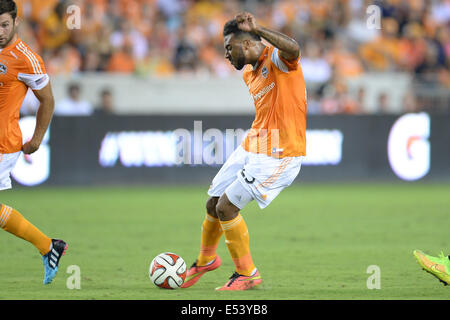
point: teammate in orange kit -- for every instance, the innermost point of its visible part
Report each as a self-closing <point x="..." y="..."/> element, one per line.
<point x="270" y="157"/>
<point x="20" y="69"/>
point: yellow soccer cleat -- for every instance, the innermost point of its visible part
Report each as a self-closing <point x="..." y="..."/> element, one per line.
<point x="437" y="266"/>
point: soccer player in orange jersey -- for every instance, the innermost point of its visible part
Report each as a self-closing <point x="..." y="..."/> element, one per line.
<point x="20" y="69"/>
<point x="270" y="157"/>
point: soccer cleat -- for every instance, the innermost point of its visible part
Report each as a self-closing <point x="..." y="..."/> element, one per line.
<point x="51" y="259"/>
<point x="195" y="272"/>
<point x="240" y="282"/>
<point x="437" y="266"/>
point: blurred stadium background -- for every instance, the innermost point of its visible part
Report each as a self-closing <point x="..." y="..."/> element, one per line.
<point x="349" y="67"/>
<point x="126" y="74"/>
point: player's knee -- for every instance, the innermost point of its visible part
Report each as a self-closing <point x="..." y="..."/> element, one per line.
<point x="225" y="209"/>
<point x="221" y="211"/>
<point x="211" y="206"/>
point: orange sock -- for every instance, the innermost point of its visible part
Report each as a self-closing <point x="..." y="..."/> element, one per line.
<point x="211" y="233"/>
<point x="13" y="222"/>
<point x="238" y="243"/>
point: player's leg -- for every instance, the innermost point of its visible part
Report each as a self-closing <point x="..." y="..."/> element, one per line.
<point x="13" y="222"/>
<point x="437" y="266"/>
<point x="51" y="249"/>
<point x="207" y="259"/>
<point x="211" y="234"/>
<point x="261" y="179"/>
<point x="237" y="237"/>
<point x="235" y="230"/>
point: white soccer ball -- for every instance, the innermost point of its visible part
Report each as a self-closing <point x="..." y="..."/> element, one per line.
<point x="167" y="270"/>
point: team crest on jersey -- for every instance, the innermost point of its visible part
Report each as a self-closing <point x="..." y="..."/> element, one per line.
<point x="3" y="68"/>
<point x="264" y="72"/>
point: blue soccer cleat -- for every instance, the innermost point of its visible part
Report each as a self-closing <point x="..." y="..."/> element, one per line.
<point x="51" y="259"/>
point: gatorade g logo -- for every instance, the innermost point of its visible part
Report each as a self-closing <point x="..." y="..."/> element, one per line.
<point x="408" y="146"/>
<point x="34" y="169"/>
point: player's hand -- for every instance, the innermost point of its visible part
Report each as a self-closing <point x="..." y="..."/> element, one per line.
<point x="30" y="147"/>
<point x="246" y="22"/>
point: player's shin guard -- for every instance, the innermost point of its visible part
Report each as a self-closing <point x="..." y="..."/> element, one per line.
<point x="238" y="242"/>
<point x="13" y="222"/>
<point x="211" y="233"/>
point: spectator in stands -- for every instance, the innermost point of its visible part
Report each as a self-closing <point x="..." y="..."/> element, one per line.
<point x="382" y="103"/>
<point x="54" y="32"/>
<point x="345" y="62"/>
<point x="103" y="46"/>
<point x="413" y="47"/>
<point x="315" y="68"/>
<point x="106" y="106"/>
<point x="73" y="105"/>
<point x="91" y="61"/>
<point x="382" y="54"/>
<point x="357" y="30"/>
<point x="65" y="60"/>
<point x="122" y="60"/>
<point x="427" y="71"/>
<point x="410" y="102"/>
<point x="361" y="100"/>
<point x="185" y="59"/>
<point x="337" y="99"/>
<point x="127" y="35"/>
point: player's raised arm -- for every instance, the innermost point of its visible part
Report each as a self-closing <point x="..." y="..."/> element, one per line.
<point x="289" y="48"/>
<point x="43" y="117"/>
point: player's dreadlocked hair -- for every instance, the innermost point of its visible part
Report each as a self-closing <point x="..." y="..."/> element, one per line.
<point x="8" y="6"/>
<point x="231" y="27"/>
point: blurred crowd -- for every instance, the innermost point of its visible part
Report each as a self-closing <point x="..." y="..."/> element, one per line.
<point x="340" y="39"/>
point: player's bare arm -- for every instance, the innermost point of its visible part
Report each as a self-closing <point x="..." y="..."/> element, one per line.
<point x="43" y="118"/>
<point x="289" y="48"/>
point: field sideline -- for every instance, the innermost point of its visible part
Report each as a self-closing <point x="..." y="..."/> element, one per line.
<point x="315" y="241"/>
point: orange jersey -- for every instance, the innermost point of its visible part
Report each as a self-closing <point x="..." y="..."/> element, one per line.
<point x="278" y="90"/>
<point x="20" y="69"/>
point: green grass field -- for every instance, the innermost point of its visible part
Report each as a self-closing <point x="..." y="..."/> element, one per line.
<point x="313" y="242"/>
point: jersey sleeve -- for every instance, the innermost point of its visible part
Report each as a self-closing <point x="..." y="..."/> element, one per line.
<point x="32" y="72"/>
<point x="34" y="81"/>
<point x="283" y="64"/>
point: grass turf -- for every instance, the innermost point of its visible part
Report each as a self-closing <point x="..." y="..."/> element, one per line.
<point x="313" y="242"/>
